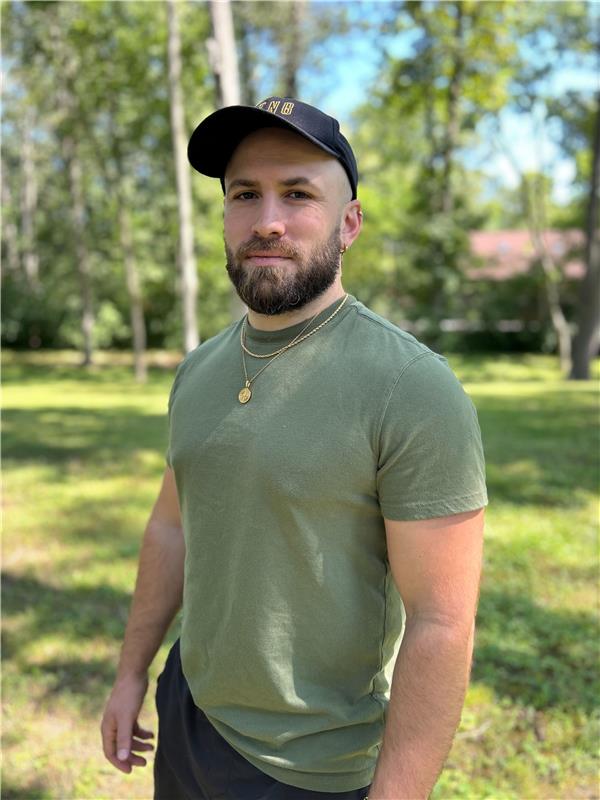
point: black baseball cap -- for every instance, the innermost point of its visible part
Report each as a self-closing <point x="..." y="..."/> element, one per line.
<point x="212" y="143"/>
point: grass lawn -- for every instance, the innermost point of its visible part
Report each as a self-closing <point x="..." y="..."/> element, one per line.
<point x="83" y="454"/>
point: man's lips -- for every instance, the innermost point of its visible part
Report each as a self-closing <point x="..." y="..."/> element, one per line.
<point x="266" y="257"/>
<point x="267" y="254"/>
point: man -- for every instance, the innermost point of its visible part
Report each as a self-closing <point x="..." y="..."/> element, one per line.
<point x="322" y="464"/>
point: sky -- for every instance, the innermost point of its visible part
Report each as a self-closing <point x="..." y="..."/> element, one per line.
<point x="353" y="69"/>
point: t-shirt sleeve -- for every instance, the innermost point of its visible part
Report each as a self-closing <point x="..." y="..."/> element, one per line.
<point x="431" y="461"/>
<point x="172" y="393"/>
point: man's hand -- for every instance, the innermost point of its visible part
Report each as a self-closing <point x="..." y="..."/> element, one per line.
<point x="156" y="600"/>
<point x="121" y="734"/>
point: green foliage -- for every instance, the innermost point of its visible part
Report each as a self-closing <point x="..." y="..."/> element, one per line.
<point x="458" y="69"/>
<point x="285" y="46"/>
<point x="464" y="63"/>
<point x="575" y="114"/>
<point x="110" y="58"/>
<point x="83" y="456"/>
<point x="96" y="71"/>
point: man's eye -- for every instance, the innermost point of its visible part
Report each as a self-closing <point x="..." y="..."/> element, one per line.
<point x="298" y="195"/>
<point x="245" y="196"/>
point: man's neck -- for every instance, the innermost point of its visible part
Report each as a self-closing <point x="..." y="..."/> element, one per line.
<point x="276" y="322"/>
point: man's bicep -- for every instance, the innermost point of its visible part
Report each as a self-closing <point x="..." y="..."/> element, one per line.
<point x="436" y="565"/>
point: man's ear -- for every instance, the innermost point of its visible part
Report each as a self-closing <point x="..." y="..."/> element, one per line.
<point x="351" y="223"/>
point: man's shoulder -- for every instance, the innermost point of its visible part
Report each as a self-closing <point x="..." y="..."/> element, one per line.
<point x="375" y="334"/>
<point x="221" y="339"/>
<point x="192" y="363"/>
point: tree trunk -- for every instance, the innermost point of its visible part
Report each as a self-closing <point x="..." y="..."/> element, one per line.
<point x="225" y="65"/>
<point x="118" y="185"/>
<point x="293" y="49"/>
<point x="559" y="321"/>
<point x="136" y="308"/>
<point x="536" y="221"/>
<point x="587" y="339"/>
<point x="29" y="205"/>
<point x="247" y="90"/>
<point x="452" y="115"/>
<point x="189" y="276"/>
<point x="11" y="237"/>
<point x="82" y="255"/>
<point x="68" y="130"/>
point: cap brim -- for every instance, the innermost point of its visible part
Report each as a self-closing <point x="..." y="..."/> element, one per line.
<point x="212" y="143"/>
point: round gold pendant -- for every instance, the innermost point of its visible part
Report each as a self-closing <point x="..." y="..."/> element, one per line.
<point x="244" y="395"/>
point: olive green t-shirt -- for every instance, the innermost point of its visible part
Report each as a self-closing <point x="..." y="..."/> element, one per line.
<point x="290" y="613"/>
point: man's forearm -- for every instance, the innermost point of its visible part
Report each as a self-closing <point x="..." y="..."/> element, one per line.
<point x="427" y="694"/>
<point x="157" y="597"/>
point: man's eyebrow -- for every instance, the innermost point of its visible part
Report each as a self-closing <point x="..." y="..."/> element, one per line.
<point x="250" y="184"/>
<point x="241" y="182"/>
<point x="296" y="181"/>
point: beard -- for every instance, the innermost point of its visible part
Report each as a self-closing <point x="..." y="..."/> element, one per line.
<point x="277" y="289"/>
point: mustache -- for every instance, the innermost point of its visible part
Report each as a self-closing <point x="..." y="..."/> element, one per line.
<point x="266" y="246"/>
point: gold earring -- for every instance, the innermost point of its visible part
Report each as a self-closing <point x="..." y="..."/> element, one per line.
<point x="343" y="249"/>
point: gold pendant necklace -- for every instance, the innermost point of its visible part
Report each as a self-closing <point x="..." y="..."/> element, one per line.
<point x="245" y="393"/>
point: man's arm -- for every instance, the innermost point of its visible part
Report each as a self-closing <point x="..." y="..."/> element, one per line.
<point x="436" y="565"/>
<point x="156" y="600"/>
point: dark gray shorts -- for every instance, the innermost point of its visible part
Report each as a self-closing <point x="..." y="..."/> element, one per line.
<point x="193" y="762"/>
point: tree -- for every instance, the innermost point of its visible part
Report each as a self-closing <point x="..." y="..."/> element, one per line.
<point x="565" y="34"/>
<point x="587" y="338"/>
<point x="224" y="53"/>
<point x="29" y="202"/>
<point x="456" y="72"/>
<point x="281" y="43"/>
<point x="78" y="213"/>
<point x="70" y="133"/>
<point x="120" y="119"/>
<point x="536" y="216"/>
<point x="225" y="67"/>
<point x="132" y="277"/>
<point x="187" y="262"/>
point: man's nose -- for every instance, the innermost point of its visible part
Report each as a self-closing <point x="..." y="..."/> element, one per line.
<point x="269" y="221"/>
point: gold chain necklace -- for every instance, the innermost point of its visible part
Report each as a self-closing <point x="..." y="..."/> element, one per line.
<point x="294" y="341"/>
<point x="299" y="338"/>
<point x="245" y="393"/>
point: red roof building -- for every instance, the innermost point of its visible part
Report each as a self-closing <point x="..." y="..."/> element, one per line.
<point x="506" y="254"/>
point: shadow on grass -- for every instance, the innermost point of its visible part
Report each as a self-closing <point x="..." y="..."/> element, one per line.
<point x="120" y="538"/>
<point x="23" y="373"/>
<point x="61" y="434"/>
<point x="536" y="656"/>
<point x="88" y="681"/>
<point x="494" y="367"/>
<point x="35" y="790"/>
<point x="74" y="613"/>
<point x="540" y="449"/>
